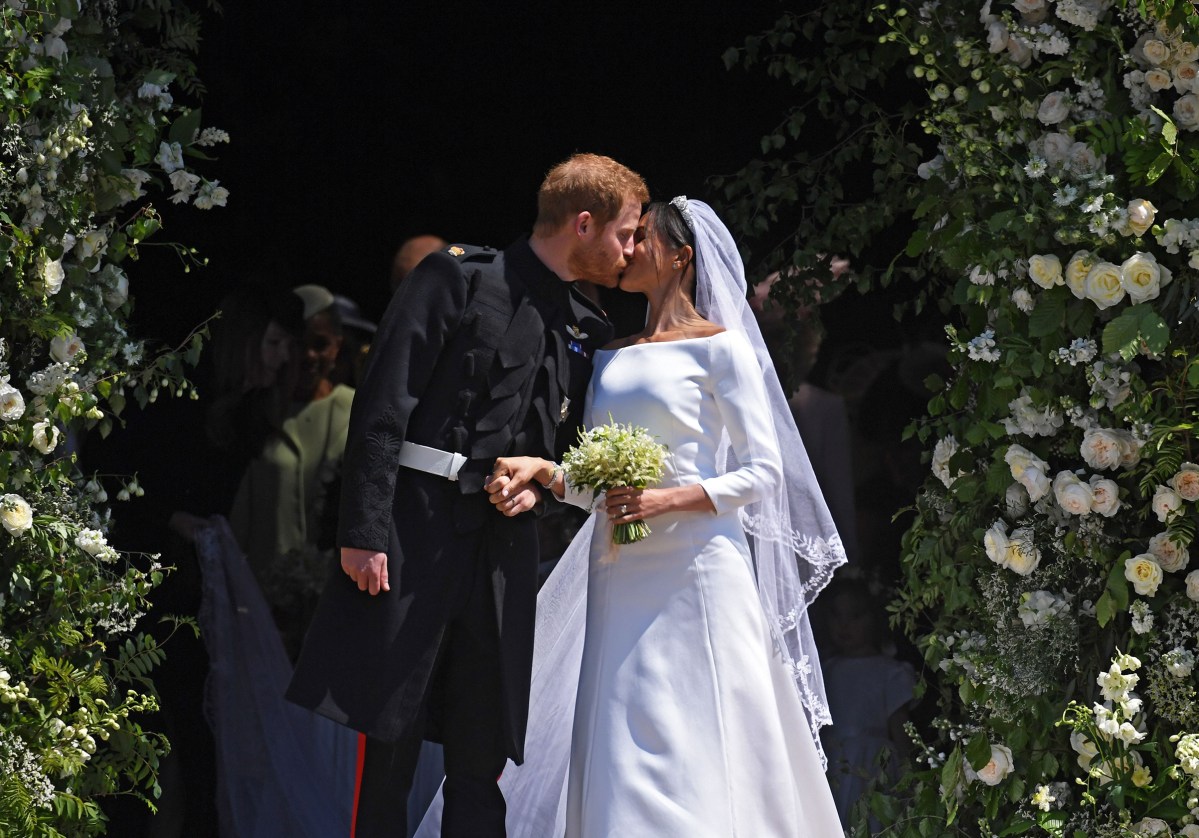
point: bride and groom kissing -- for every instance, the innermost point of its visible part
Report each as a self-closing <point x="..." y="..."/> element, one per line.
<point x="679" y="693"/>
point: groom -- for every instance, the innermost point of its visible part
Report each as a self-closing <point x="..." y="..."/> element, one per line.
<point x="428" y="631"/>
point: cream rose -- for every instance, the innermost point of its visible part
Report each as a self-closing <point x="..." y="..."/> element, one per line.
<point x="116" y="286"/>
<point x="1019" y="52"/>
<point x="1130" y="448"/>
<point x="1072" y="495"/>
<point x="1015" y="501"/>
<point x="1158" y="80"/>
<point x="1140" y="216"/>
<point x="1077" y="268"/>
<point x="1054" y="108"/>
<point x="1192" y="582"/>
<point x="50" y="276"/>
<point x="1155" y="51"/>
<point x="1101" y="448"/>
<point x="1166" y="503"/>
<point x="1186" y="482"/>
<point x="1142" y="277"/>
<point x="1144" y="573"/>
<point x="16" y="514"/>
<point x="1186" y="77"/>
<point x="995" y="542"/>
<point x="1029" y="471"/>
<point x="1186" y="111"/>
<point x="1105" y="496"/>
<point x="1103" y="285"/>
<point x="64" y="348"/>
<point x="1185" y="51"/>
<point x="1045" y="270"/>
<point x="1084" y="160"/>
<point x="997" y="37"/>
<point x="1151" y="826"/>
<point x="1055" y="146"/>
<point x="1169" y="553"/>
<point x="1023" y="555"/>
<point x="45" y="436"/>
<point x="997" y="768"/>
<point x="943" y="451"/>
<point x="12" y="403"/>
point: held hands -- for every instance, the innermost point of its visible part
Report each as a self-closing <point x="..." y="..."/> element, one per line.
<point x="513" y="483"/>
<point x="367" y="568"/>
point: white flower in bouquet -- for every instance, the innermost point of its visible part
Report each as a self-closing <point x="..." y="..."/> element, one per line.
<point x="1116" y="684"/>
<point x="1055" y="148"/>
<point x="1085" y="748"/>
<point x="1022" y="555"/>
<point x="1140" y="216"/>
<point x="981" y="276"/>
<point x="1054" y="108"/>
<point x="1083" y="160"/>
<point x="943" y="452"/>
<point x="610" y="456"/>
<point x="1045" y="270"/>
<point x="1031" y="420"/>
<point x="1130" y="448"/>
<point x="983" y="347"/>
<point x="91" y="541"/>
<point x="1187" y="753"/>
<point x="1033" y="11"/>
<point x="1144" y="573"/>
<point x="1019" y="51"/>
<point x="1186" y="482"/>
<point x="116" y="286"/>
<point x="1186" y="111"/>
<point x="169" y="157"/>
<point x="1042" y="799"/>
<point x="1105" y="496"/>
<point x="45" y="436"/>
<point x="1029" y="470"/>
<point x="12" y="403"/>
<point x="91" y="244"/>
<point x="50" y="276"/>
<point x="211" y="194"/>
<point x="1101" y="448"/>
<point x="64" y="348"/>
<point x="1151" y="826"/>
<point x="1179" y="662"/>
<point x="1192" y="583"/>
<point x="995" y="542"/>
<point x="1023" y="300"/>
<point x="1186" y="77"/>
<point x="1142" y="617"/>
<point x="1156" y="52"/>
<point x="1103" y="285"/>
<point x="1084" y="14"/>
<point x="997" y="768"/>
<point x="184" y="183"/>
<point x="16" y="514"/>
<point x="1158" y="80"/>
<point x="1039" y="607"/>
<point x="997" y="37"/>
<point x="1077" y="268"/>
<point x="1143" y="278"/>
<point x="212" y="136"/>
<point x="1166" y="503"/>
<point x="1189" y="831"/>
<point x="1072" y="495"/>
<point x="134" y="186"/>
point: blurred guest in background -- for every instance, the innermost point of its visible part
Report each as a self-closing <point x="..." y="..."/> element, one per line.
<point x="410" y="254"/>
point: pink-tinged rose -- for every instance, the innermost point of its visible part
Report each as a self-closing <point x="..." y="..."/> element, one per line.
<point x="1140" y="216"/>
<point x="1192" y="581"/>
<point x="1072" y="495"/>
<point x="1171" y="555"/>
<point x="997" y="768"/>
<point x="1105" y="496"/>
<point x="1101" y="449"/>
<point x="1166" y="503"/>
<point x="1186" y="482"/>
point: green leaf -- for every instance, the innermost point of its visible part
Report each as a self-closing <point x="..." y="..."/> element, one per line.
<point x="1158" y="167"/>
<point x="1018" y="827"/>
<point x="1136" y="326"/>
<point x="917" y="243"/>
<point x="184" y="129"/>
<point x="978" y="752"/>
<point x="1046" y="318"/>
<point x="1105" y="609"/>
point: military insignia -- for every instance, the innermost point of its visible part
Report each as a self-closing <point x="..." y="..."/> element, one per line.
<point x="565" y="408"/>
<point x="577" y="348"/>
<point x="455" y="250"/>
<point x="576" y="333"/>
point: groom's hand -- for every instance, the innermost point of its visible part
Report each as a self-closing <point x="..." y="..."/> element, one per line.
<point x="510" y="497"/>
<point x="367" y="568"/>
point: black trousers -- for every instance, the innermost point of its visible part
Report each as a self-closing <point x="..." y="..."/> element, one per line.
<point x="465" y="700"/>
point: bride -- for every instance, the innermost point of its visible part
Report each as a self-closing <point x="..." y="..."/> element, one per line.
<point x="698" y="694"/>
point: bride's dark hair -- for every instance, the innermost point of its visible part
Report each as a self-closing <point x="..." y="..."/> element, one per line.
<point x="665" y="223"/>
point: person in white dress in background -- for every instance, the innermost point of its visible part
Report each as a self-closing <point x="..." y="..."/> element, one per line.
<point x="698" y="688"/>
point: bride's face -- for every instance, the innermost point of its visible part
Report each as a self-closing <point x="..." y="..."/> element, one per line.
<point x="649" y="266"/>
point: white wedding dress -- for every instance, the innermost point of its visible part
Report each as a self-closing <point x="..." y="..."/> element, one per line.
<point x="687" y="721"/>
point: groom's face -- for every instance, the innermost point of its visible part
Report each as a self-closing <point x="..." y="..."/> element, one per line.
<point x="603" y="253"/>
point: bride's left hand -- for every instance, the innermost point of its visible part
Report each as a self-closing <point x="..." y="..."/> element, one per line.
<point x="624" y="504"/>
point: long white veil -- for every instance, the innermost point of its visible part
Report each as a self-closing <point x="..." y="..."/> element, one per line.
<point x="792" y="538"/>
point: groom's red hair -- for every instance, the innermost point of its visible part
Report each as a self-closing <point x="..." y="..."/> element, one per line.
<point x="586" y="182"/>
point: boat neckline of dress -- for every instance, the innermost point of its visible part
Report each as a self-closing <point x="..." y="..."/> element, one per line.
<point x="661" y="342"/>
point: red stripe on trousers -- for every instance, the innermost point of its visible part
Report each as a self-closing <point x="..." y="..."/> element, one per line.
<point x="358" y="782"/>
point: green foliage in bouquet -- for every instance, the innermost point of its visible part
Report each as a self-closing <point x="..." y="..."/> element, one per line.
<point x="89" y="130"/>
<point x="611" y="456"/>
<point x="1038" y="160"/>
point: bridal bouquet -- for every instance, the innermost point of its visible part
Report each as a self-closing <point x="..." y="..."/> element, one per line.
<point x="612" y="455"/>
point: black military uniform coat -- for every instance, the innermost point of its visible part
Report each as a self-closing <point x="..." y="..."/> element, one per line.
<point x="486" y="354"/>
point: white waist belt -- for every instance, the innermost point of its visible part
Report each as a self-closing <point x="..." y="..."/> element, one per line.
<point x="432" y="460"/>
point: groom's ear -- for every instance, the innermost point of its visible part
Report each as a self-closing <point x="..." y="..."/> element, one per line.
<point x="583" y="223"/>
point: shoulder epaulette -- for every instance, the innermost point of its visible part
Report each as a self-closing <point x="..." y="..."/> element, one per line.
<point x="472" y="253"/>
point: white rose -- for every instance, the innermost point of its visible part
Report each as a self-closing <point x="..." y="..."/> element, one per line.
<point x="1130" y="448"/>
<point x="1158" y="80"/>
<point x="16" y="514"/>
<point x="45" y="436"/>
<point x="1023" y="300"/>
<point x="91" y="244"/>
<point x="1169" y="554"/>
<point x="1142" y="277"/>
<point x="995" y="542"/>
<point x="1166" y="503"/>
<point x="1072" y="495"/>
<point x="1077" y="268"/>
<point x="1054" y="108"/>
<point x="1085" y="748"/>
<point x="943" y="451"/>
<point x="1186" y="77"/>
<point x="1103" y="285"/>
<point x="1140" y="216"/>
<point x="1084" y="160"/>
<point x="1015" y="501"/>
<point x="1151" y="826"/>
<point x="1186" y="482"/>
<point x="1185" y="51"/>
<point x="1055" y="147"/>
<point x="997" y="36"/>
<point x="1045" y="270"/>
<point x="1100" y="448"/>
<point x="12" y="403"/>
<point x="1023" y="555"/>
<point x="116" y="286"/>
<point x="50" y="276"/>
<point x="1019" y="52"/>
<point x="1105" y="496"/>
<point x="1186" y="111"/>
<point x="1144" y="573"/>
<point x="1155" y="51"/>
<point x="1192" y="582"/>
<point x="999" y="766"/>
<point x="64" y="348"/>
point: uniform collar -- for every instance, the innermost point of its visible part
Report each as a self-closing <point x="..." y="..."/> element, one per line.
<point x="539" y="279"/>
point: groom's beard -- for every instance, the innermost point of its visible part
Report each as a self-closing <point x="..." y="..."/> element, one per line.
<point x="591" y="263"/>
